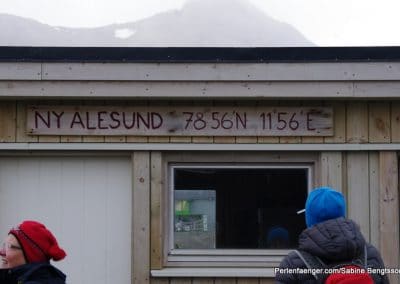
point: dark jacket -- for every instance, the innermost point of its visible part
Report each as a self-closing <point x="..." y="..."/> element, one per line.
<point x="333" y="241"/>
<point x="32" y="273"/>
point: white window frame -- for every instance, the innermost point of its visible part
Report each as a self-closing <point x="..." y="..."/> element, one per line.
<point x="226" y="257"/>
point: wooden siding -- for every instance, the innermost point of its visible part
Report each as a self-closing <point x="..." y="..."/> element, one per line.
<point x="331" y="170"/>
<point x="354" y="122"/>
<point x="8" y="121"/>
<point x="339" y="71"/>
<point x="141" y="223"/>
<point x="305" y="71"/>
<point x="358" y="190"/>
<point x="366" y="178"/>
<point x="389" y="210"/>
<point x="156" y="211"/>
<point x="369" y="182"/>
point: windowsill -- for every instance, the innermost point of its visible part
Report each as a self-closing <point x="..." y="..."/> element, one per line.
<point x="213" y="272"/>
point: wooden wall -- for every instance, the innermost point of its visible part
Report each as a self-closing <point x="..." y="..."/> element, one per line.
<point x="369" y="179"/>
<point x="355" y="122"/>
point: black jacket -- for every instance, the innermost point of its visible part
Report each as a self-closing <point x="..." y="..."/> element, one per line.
<point x="333" y="241"/>
<point x="32" y="273"/>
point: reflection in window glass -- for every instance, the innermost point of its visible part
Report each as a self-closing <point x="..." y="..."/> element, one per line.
<point x="194" y="219"/>
<point x="238" y="208"/>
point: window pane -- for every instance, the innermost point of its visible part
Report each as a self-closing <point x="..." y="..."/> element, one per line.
<point x="238" y="208"/>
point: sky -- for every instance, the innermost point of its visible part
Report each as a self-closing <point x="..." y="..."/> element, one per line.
<point x="324" y="22"/>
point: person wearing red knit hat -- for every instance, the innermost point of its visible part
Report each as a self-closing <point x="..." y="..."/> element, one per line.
<point x="26" y="254"/>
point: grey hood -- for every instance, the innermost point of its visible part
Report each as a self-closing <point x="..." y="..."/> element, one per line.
<point x="333" y="240"/>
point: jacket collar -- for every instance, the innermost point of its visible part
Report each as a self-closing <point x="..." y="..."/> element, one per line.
<point x="24" y="272"/>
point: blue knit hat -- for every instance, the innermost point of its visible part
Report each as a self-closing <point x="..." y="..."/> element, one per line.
<point x="277" y="232"/>
<point x="322" y="204"/>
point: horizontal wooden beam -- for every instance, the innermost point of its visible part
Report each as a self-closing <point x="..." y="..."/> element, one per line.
<point x="213" y="272"/>
<point x="193" y="147"/>
<point x="299" y="71"/>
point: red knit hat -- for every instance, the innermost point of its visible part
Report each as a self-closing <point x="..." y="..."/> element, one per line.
<point x="38" y="243"/>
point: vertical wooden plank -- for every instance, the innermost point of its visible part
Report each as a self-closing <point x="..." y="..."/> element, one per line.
<point x="225" y="281"/>
<point x="331" y="170"/>
<point x="21" y="135"/>
<point x="247" y="281"/>
<point x="312" y="139"/>
<point x="180" y="139"/>
<point x="358" y="190"/>
<point x="49" y="139"/>
<point x="137" y="139"/>
<point x="183" y="280"/>
<point x="159" y="139"/>
<point x="159" y="280"/>
<point x="374" y="198"/>
<point x="246" y="140"/>
<point x="289" y="139"/>
<point x="339" y="123"/>
<point x="267" y="281"/>
<point x="345" y="174"/>
<point x="8" y="121"/>
<point x="265" y="140"/>
<point x="379" y="122"/>
<point x="224" y="139"/>
<point x="156" y="213"/>
<point x="203" y="281"/>
<point x="389" y="210"/>
<point x="141" y="220"/>
<point x="395" y="122"/>
<point x="71" y="139"/>
<point x="93" y="139"/>
<point x="115" y="139"/>
<point x="205" y="139"/>
<point x="357" y="122"/>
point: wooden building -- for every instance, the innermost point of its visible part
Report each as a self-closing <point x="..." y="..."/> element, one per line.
<point x="171" y="165"/>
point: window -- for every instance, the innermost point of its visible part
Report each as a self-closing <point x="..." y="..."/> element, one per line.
<point x="235" y="210"/>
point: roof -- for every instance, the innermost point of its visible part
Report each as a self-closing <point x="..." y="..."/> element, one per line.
<point x="199" y="54"/>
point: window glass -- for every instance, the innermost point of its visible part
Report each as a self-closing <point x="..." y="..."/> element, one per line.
<point x="238" y="207"/>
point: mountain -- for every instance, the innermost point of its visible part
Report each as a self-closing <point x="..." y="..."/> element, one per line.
<point x="198" y="23"/>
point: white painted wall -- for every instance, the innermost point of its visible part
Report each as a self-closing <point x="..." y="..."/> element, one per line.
<point x="85" y="201"/>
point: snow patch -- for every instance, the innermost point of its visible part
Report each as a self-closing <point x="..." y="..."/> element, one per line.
<point x="124" y="33"/>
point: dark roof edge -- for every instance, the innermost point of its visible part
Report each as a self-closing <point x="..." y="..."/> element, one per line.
<point x="199" y="54"/>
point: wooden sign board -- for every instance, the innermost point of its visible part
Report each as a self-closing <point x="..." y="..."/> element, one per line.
<point x="180" y="121"/>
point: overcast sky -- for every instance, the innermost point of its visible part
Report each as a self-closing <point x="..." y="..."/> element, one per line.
<point x="325" y="22"/>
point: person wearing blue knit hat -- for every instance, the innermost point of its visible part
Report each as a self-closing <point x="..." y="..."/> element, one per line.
<point x="330" y="238"/>
<point x="323" y="204"/>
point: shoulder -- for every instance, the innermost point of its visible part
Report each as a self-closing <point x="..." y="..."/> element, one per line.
<point x="286" y="272"/>
<point x="7" y="277"/>
<point x="374" y="260"/>
<point x="292" y="260"/>
<point x="374" y="257"/>
<point x="37" y="272"/>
